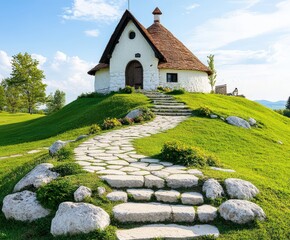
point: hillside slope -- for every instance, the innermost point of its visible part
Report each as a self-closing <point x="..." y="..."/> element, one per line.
<point x="20" y="136"/>
<point x="254" y="153"/>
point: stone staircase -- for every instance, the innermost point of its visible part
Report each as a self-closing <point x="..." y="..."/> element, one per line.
<point x="167" y="105"/>
<point x="168" y="195"/>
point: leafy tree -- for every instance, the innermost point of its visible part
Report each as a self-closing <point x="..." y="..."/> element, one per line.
<point x="28" y="79"/>
<point x="56" y="102"/>
<point x="288" y="104"/>
<point x="2" y="98"/>
<point x="212" y="77"/>
<point x="13" y="97"/>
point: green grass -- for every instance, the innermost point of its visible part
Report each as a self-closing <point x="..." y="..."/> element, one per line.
<point x="254" y="154"/>
<point x="25" y="134"/>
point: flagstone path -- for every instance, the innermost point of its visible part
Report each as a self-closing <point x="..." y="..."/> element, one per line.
<point x="136" y="178"/>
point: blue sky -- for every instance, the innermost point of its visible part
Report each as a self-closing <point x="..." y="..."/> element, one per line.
<point x="250" y="38"/>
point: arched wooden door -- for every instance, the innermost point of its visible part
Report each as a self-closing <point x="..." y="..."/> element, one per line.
<point x="134" y="74"/>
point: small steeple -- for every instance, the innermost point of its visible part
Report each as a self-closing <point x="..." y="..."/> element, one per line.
<point x="157" y="14"/>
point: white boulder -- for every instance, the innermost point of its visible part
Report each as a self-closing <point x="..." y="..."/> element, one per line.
<point x="252" y="122"/>
<point x="240" y="189"/>
<point x="23" y="206"/>
<point x="241" y="211"/>
<point x="134" y="113"/>
<point x="101" y="191"/>
<point x="206" y="213"/>
<point x="75" y="218"/>
<point x="81" y="193"/>
<point x="37" y="177"/>
<point x="170" y="196"/>
<point x="212" y="189"/>
<point x="239" y="122"/>
<point x="56" y="146"/>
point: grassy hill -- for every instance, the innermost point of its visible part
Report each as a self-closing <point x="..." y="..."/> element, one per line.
<point x="254" y="153"/>
<point x="24" y="133"/>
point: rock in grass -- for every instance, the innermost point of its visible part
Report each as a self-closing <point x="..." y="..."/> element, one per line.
<point x="81" y="193"/>
<point x="76" y="218"/>
<point x="239" y="122"/>
<point x="252" y="122"/>
<point x="212" y="189"/>
<point x="23" y="206"/>
<point x="241" y="211"/>
<point x="241" y="189"/>
<point x="134" y="113"/>
<point x="56" y="146"/>
<point x="37" y="177"/>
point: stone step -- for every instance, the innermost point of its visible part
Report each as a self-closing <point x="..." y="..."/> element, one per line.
<point x="152" y="213"/>
<point x="162" y="98"/>
<point x="167" y="231"/>
<point x="158" y="106"/>
<point x="170" y="110"/>
<point x="172" y="114"/>
<point x="168" y="103"/>
<point x="149" y="181"/>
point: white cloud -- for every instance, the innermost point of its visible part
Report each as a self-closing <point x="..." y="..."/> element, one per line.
<point x="92" y="33"/>
<point x="94" y="10"/>
<point x="41" y="59"/>
<point x="246" y="3"/>
<point x="5" y="65"/>
<point x="192" y="6"/>
<point x="239" y="25"/>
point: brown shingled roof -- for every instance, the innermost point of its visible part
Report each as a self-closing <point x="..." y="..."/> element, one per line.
<point x="176" y="54"/>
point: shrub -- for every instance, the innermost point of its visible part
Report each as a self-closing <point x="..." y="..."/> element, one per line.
<point x="147" y="114"/>
<point x="127" y="90"/>
<point x="138" y="119"/>
<point x="126" y="121"/>
<point x="95" y="128"/>
<point x="64" y="154"/>
<point x="177" y="91"/>
<point x="164" y="89"/>
<point x="179" y="153"/>
<point x="286" y="113"/>
<point x="68" y="169"/>
<point x="111" y="123"/>
<point x="56" y="192"/>
<point x="203" y="112"/>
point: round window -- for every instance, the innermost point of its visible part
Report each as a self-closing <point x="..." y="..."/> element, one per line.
<point x="132" y="35"/>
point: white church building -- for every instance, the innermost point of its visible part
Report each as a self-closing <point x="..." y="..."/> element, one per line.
<point x="148" y="58"/>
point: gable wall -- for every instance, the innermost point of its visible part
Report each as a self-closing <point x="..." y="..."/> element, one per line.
<point x="102" y="81"/>
<point x="191" y="81"/>
<point x="125" y="51"/>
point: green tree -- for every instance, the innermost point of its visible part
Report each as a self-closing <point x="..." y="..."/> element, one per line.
<point x="55" y="102"/>
<point x="2" y="98"/>
<point x="28" y="79"/>
<point x="288" y="104"/>
<point x="13" y="97"/>
<point x="212" y="77"/>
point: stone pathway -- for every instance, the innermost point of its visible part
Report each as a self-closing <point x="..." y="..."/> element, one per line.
<point x="21" y="155"/>
<point x="151" y="184"/>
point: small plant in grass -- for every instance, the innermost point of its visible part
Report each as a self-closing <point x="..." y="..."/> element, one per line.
<point x="68" y="169"/>
<point x="56" y="192"/>
<point x="127" y="90"/>
<point x="203" y="112"/>
<point x="138" y="119"/>
<point x="64" y="154"/>
<point x="179" y="153"/>
<point x="147" y="114"/>
<point x="177" y="91"/>
<point x="111" y="123"/>
<point x="94" y="129"/>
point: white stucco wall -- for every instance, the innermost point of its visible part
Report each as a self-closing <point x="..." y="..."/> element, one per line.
<point x="124" y="53"/>
<point x="191" y="81"/>
<point x="102" y="81"/>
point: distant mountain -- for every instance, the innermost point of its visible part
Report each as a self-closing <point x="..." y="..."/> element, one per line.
<point x="272" y="105"/>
